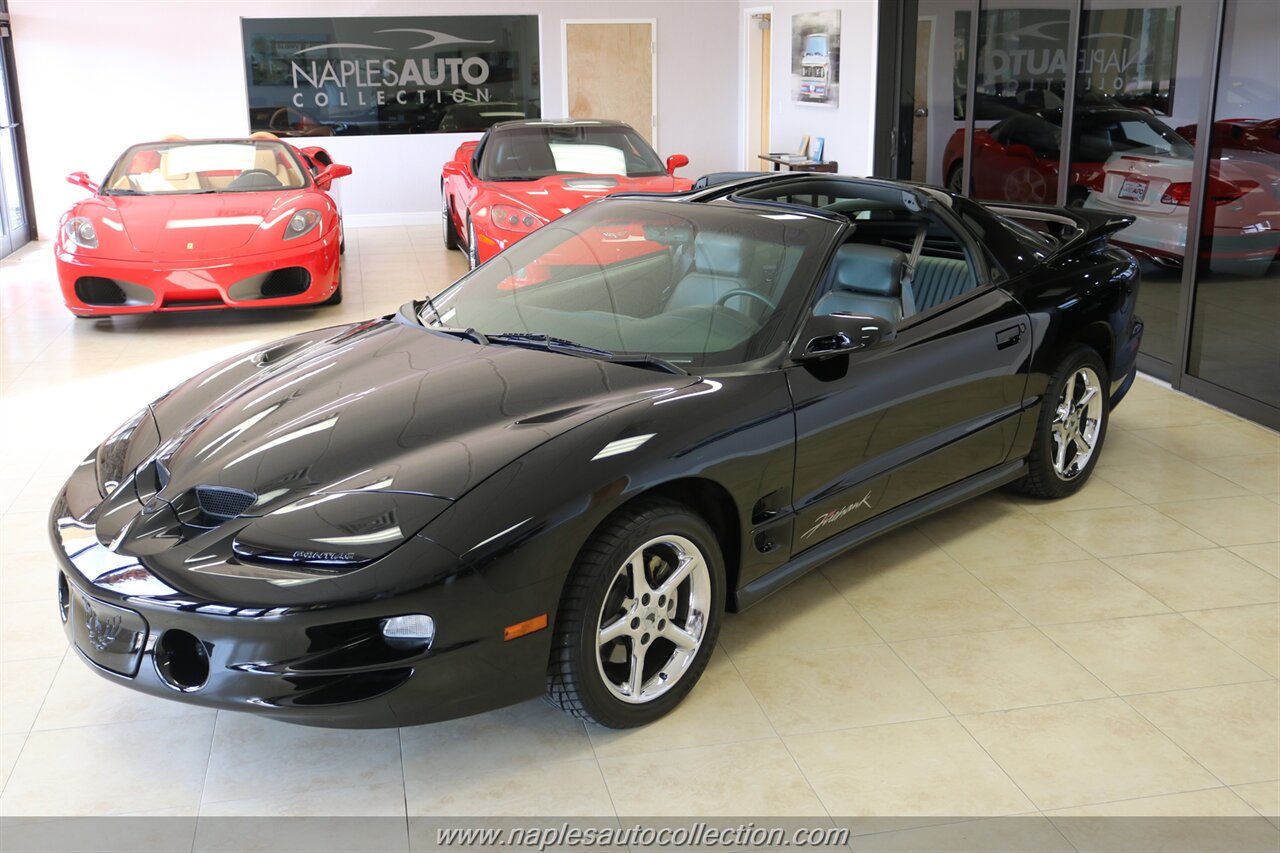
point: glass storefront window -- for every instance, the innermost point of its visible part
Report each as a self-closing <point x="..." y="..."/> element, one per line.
<point x="1140" y="82"/>
<point x="1235" y="330"/>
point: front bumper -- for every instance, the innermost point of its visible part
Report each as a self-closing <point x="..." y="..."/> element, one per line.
<point x="314" y="664"/>
<point x="295" y="275"/>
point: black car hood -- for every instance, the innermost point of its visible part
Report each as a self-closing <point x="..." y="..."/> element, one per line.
<point x="395" y="407"/>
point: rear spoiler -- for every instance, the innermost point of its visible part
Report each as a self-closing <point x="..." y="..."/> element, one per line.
<point x="1080" y="231"/>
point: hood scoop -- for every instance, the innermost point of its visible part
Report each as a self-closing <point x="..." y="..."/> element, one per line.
<point x="217" y="504"/>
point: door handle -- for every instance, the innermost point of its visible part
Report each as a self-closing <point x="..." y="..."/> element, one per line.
<point x="1006" y="338"/>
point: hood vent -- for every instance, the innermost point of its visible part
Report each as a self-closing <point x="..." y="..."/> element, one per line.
<point x="221" y="503"/>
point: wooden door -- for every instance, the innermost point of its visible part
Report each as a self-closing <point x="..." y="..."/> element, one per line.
<point x="920" y="104"/>
<point x="609" y="73"/>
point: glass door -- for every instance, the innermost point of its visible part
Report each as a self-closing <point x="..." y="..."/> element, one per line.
<point x="15" y="229"/>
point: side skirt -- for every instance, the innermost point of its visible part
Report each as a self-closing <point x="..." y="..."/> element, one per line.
<point x="766" y="585"/>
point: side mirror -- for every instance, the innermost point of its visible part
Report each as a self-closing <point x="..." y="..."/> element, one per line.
<point x="828" y="335"/>
<point x="82" y="180"/>
<point x="675" y="161"/>
<point x="327" y="175"/>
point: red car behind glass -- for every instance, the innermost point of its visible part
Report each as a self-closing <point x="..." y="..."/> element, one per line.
<point x="183" y="225"/>
<point x="523" y="174"/>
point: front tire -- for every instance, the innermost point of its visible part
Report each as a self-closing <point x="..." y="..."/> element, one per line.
<point x="1071" y="429"/>
<point x="335" y="298"/>
<point x="639" y="616"/>
<point x="449" y="231"/>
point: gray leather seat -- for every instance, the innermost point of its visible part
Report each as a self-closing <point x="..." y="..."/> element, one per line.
<point x="718" y="264"/>
<point x="939" y="280"/>
<point x="868" y="281"/>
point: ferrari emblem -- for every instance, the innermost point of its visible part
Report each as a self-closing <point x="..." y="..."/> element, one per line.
<point x="191" y="245"/>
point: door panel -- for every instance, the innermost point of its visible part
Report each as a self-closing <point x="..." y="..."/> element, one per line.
<point x="609" y="69"/>
<point x="937" y="404"/>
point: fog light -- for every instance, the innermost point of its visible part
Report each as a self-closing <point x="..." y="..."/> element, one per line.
<point x="415" y="626"/>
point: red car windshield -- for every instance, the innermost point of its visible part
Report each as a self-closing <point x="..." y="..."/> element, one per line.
<point x="169" y="168"/>
<point x="529" y="153"/>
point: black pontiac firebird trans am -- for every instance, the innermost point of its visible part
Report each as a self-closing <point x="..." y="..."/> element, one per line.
<point x="556" y="476"/>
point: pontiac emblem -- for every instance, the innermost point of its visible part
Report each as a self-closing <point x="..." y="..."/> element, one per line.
<point x="102" y="632"/>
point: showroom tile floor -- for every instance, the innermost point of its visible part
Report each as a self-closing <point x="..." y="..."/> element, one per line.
<point x="1114" y="653"/>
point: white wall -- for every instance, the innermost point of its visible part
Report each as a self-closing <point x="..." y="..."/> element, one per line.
<point x="97" y="76"/>
<point x="850" y="128"/>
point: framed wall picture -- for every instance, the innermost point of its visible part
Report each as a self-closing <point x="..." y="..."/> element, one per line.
<point x="815" y="58"/>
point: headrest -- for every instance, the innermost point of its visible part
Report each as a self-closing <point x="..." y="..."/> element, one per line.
<point x="719" y="254"/>
<point x="869" y="269"/>
<point x="265" y="159"/>
<point x="166" y="169"/>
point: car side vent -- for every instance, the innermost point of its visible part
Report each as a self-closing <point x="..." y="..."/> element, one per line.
<point x="222" y="502"/>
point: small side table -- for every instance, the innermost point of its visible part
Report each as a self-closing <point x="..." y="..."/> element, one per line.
<point x="779" y="161"/>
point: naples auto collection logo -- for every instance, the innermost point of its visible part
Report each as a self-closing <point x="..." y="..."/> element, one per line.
<point x="400" y="80"/>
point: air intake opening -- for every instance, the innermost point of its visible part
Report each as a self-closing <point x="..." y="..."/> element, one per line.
<point x="223" y="503"/>
<point x="182" y="661"/>
<point x="95" y="290"/>
<point x="290" y="281"/>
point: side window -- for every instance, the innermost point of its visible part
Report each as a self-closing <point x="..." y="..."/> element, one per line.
<point x="943" y="272"/>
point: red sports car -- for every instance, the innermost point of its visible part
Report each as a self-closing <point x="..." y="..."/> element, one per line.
<point x="523" y="174"/>
<point x="183" y="225"/>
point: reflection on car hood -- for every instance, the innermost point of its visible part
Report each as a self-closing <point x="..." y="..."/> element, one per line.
<point x="554" y="196"/>
<point x="391" y="406"/>
<point x="194" y="226"/>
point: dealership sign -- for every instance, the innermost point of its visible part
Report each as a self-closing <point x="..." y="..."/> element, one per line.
<point x="336" y="76"/>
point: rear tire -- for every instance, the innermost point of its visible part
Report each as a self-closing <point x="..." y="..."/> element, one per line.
<point x="448" y="230"/>
<point x="1071" y="429"/>
<point x="628" y="651"/>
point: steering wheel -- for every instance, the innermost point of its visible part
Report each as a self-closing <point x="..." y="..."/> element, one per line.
<point x="279" y="120"/>
<point x="743" y="292"/>
<point x="255" y="177"/>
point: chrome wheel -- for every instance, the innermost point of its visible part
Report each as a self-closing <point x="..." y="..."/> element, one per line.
<point x="1077" y="423"/>
<point x="653" y="619"/>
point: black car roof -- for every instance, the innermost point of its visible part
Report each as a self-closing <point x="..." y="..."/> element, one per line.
<point x="558" y="122"/>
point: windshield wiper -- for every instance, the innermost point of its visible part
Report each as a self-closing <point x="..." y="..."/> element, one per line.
<point x="124" y="192"/>
<point x="521" y="178"/>
<point x="468" y="333"/>
<point x="561" y="345"/>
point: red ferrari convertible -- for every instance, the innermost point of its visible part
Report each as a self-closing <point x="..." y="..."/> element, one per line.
<point x="183" y="225"/>
<point x="523" y="174"/>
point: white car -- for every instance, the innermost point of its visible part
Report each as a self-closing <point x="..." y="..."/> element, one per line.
<point x="1242" y="216"/>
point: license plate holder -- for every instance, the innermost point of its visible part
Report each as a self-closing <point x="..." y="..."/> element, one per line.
<point x="110" y="637"/>
<point x="1133" y="189"/>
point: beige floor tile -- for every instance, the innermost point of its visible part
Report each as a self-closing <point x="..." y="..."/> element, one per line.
<point x="1096" y="494"/>
<point x="1231" y="730"/>
<point x="905" y="603"/>
<point x="1068" y="592"/>
<point x="754" y="778"/>
<point x="81" y="697"/>
<point x="809" y="614"/>
<point x="1208" y="441"/>
<point x="256" y="757"/>
<point x="1265" y="556"/>
<point x="1264" y="797"/>
<point x="836" y="689"/>
<point x="1211" y="820"/>
<point x="569" y="788"/>
<point x="1164" y="408"/>
<point x="1169" y="479"/>
<point x="30" y="629"/>
<point x="530" y="733"/>
<point x="1123" y="448"/>
<point x="23" y="687"/>
<point x="1004" y="669"/>
<point x="719" y="710"/>
<point x="1134" y="530"/>
<point x="158" y="767"/>
<point x="1198" y="580"/>
<point x="931" y="767"/>
<point x="1144" y="654"/>
<point x="1259" y="473"/>
<point x="1085" y="752"/>
<point x="1229" y="521"/>
<point x="10" y="747"/>
<point x="1252" y="631"/>
<point x="989" y="835"/>
<point x="992" y="531"/>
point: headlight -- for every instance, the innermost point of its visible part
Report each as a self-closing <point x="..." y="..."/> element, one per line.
<point x="79" y="231"/>
<point x="335" y="533"/>
<point x="302" y="222"/>
<point x="110" y="459"/>
<point x="511" y="218"/>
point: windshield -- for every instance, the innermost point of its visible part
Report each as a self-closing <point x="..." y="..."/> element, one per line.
<point x="695" y="285"/>
<point x="528" y="153"/>
<point x="815" y="46"/>
<point x="167" y="168"/>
